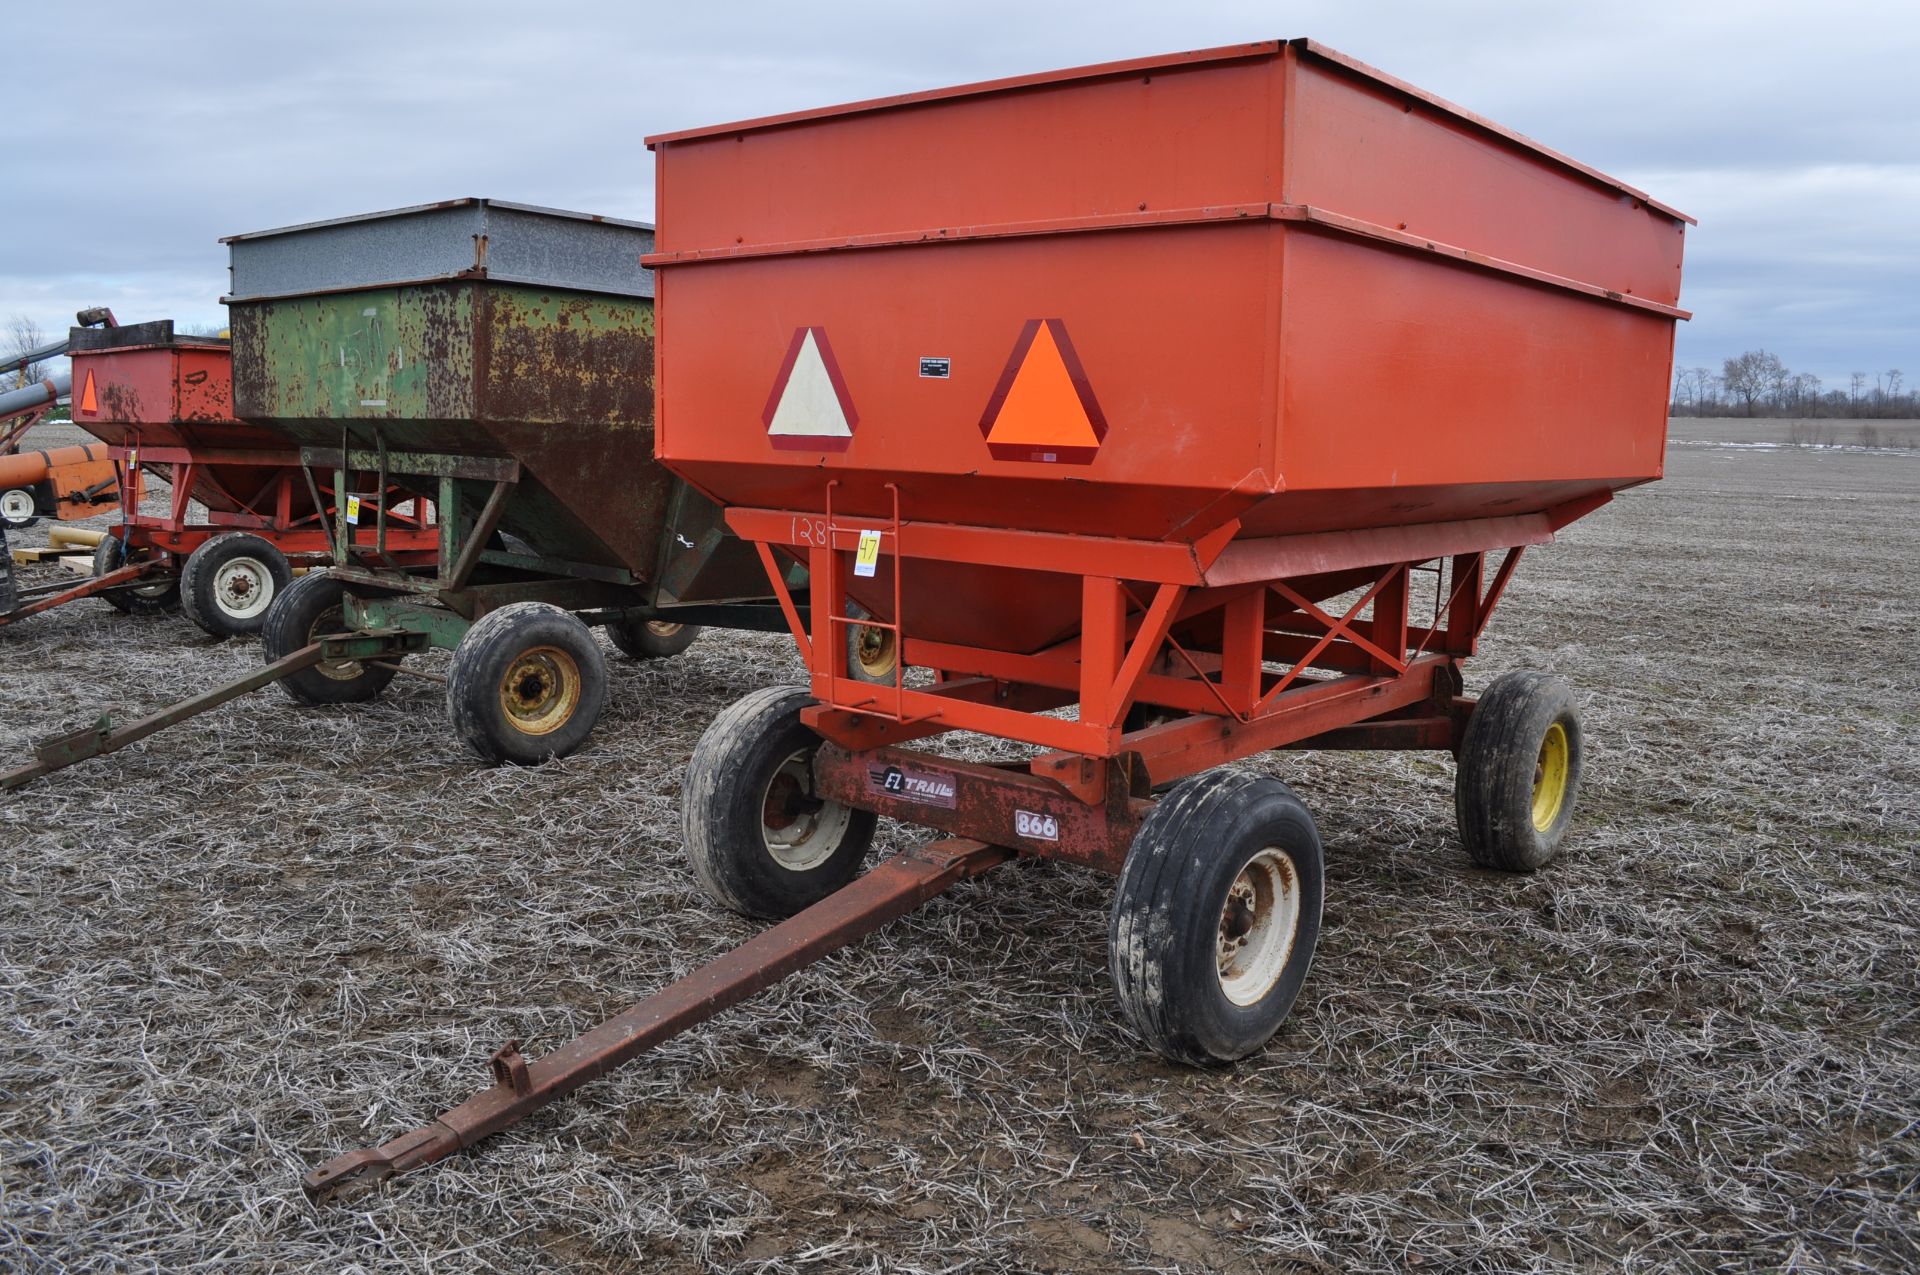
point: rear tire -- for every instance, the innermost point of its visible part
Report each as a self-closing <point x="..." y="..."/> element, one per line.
<point x="1519" y="772"/>
<point x="873" y="653"/>
<point x="651" y="639"/>
<point x="761" y="842"/>
<point x="230" y="581"/>
<point x="1216" y="916"/>
<point x="527" y="684"/>
<point x="159" y="598"/>
<point x="18" y="509"/>
<point x="305" y="610"/>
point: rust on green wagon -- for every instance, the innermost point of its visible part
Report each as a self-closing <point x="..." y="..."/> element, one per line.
<point x="560" y="380"/>
<point x="427" y="360"/>
<point x="378" y="355"/>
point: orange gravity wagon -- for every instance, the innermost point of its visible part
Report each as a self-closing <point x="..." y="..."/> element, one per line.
<point x="1157" y="414"/>
<point x="238" y="512"/>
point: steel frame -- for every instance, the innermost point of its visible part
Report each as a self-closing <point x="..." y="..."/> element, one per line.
<point x="14" y="428"/>
<point x="1181" y="664"/>
<point x="390" y="590"/>
<point x="895" y="887"/>
<point x="267" y="512"/>
<point x="1242" y="666"/>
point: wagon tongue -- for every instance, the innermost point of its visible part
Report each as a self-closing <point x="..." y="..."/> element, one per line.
<point x="104" y="737"/>
<point x="894" y="888"/>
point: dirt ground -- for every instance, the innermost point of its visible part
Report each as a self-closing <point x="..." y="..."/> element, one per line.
<point x="1691" y="1044"/>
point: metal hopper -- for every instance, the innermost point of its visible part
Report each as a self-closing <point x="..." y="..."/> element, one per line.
<point x="476" y="330"/>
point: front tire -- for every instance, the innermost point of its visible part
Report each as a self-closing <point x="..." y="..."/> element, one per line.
<point x="309" y="608"/>
<point x="160" y="597"/>
<point x="527" y="684"/>
<point x="230" y="581"/>
<point x="1519" y="772"/>
<point x="1216" y="916"/>
<point x="762" y="842"/>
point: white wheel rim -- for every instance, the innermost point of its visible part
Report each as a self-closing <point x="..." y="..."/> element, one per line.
<point x="158" y="589"/>
<point x="16" y="505"/>
<point x="1259" y="922"/>
<point x="243" y="588"/>
<point x="801" y="831"/>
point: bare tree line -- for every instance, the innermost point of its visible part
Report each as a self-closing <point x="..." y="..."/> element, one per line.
<point x="1757" y="383"/>
<point x="20" y="335"/>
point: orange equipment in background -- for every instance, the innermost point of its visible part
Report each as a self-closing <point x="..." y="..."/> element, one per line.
<point x="239" y="510"/>
<point x="61" y="482"/>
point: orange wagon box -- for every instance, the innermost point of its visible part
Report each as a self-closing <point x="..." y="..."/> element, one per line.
<point x="1263" y="283"/>
<point x="1166" y="412"/>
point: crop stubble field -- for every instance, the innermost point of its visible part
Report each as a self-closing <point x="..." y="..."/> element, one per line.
<point x="275" y="934"/>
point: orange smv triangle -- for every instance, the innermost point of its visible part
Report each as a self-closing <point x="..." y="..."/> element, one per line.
<point x="88" y="402"/>
<point x="1044" y="409"/>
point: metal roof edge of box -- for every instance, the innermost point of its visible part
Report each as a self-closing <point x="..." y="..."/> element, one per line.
<point x="456" y="238"/>
<point x="1131" y="66"/>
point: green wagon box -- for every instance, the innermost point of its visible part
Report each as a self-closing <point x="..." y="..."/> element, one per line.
<point x="497" y="360"/>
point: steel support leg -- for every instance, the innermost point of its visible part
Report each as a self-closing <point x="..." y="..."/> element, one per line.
<point x="894" y="888"/>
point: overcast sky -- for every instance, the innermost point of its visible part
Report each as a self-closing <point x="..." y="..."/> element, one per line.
<point x="140" y="133"/>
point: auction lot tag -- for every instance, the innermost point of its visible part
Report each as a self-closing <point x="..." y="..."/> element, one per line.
<point x="1036" y="827"/>
<point x="353" y="511"/>
<point x="867" y="554"/>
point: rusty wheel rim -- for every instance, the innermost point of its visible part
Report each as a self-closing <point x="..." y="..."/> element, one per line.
<point x="540" y="690"/>
<point x="800" y="828"/>
<point x="333" y="620"/>
<point x="1259" y="921"/>
<point x="874" y="649"/>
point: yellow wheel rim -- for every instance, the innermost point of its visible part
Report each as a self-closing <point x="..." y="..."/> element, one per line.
<point x="541" y="690"/>
<point x="1550" y="777"/>
<point x="874" y="649"/>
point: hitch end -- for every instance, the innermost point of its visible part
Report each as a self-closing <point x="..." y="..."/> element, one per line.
<point x="362" y="1170"/>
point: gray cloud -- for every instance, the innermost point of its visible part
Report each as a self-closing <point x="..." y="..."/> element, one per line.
<point x="1789" y="131"/>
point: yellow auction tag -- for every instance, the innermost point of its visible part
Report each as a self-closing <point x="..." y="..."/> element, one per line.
<point x="867" y="554"/>
<point x="353" y="511"/>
